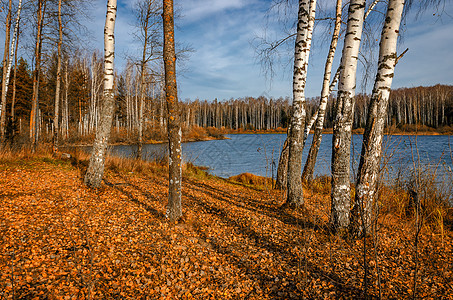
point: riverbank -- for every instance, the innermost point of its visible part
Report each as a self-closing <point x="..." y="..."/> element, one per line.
<point x="196" y="134"/>
<point x="59" y="239"/>
<point x="122" y="137"/>
<point x="393" y="130"/>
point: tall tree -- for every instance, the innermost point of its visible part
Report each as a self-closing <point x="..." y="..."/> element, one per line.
<point x="40" y="12"/>
<point x="95" y="171"/>
<point x="319" y="116"/>
<point x="24" y="89"/>
<point x="56" y="118"/>
<point x="5" y="71"/>
<point x="306" y="19"/>
<point x="344" y="110"/>
<point x="309" y="167"/>
<point x="174" y="208"/>
<point x="149" y="32"/>
<point x="367" y="179"/>
<point x="14" y="83"/>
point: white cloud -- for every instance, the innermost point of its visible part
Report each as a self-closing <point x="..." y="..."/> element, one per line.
<point x="194" y="10"/>
<point x="224" y="65"/>
<point x="429" y="60"/>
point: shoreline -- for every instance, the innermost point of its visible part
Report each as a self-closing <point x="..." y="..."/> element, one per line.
<point x="224" y="132"/>
<point x="149" y="142"/>
<point x="354" y="131"/>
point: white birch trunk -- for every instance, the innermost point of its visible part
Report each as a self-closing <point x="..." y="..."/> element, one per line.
<point x="306" y="18"/>
<point x="5" y="70"/>
<point x="13" y="100"/>
<point x="344" y="110"/>
<point x="367" y="180"/>
<point x="13" y="43"/>
<point x="307" y="174"/>
<point x="95" y="170"/>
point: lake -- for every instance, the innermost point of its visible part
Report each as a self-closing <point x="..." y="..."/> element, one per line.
<point x="259" y="153"/>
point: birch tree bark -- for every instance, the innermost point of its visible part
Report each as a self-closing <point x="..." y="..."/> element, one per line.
<point x="13" y="100"/>
<point x="95" y="172"/>
<point x="309" y="167"/>
<point x="366" y="188"/>
<point x="56" y="118"/>
<point x="174" y="208"/>
<point x="306" y="18"/>
<point x="307" y="174"/>
<point x="5" y="70"/>
<point x="344" y="112"/>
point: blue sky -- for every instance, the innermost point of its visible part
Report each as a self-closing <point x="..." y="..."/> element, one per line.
<point x="224" y="64"/>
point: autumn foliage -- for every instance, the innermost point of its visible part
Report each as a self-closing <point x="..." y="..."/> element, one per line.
<point x="62" y="240"/>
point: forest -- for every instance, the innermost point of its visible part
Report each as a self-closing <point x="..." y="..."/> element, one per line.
<point x="431" y="107"/>
<point x="78" y="221"/>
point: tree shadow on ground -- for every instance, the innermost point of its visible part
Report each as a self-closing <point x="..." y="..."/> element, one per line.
<point x="254" y="206"/>
<point x="157" y="214"/>
<point x="279" y="251"/>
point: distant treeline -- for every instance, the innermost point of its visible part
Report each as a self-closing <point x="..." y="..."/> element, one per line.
<point x="82" y="90"/>
<point x="429" y="106"/>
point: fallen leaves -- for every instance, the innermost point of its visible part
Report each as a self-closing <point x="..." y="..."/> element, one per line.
<point x="61" y="240"/>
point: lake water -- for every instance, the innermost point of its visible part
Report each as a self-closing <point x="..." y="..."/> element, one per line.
<point x="259" y="153"/>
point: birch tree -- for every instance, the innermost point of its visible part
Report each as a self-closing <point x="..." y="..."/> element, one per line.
<point x="319" y="116"/>
<point x="13" y="53"/>
<point x="174" y="208"/>
<point x="95" y="171"/>
<point x="344" y="109"/>
<point x="366" y="188"/>
<point x="5" y="70"/>
<point x="309" y="167"/>
<point x="306" y="19"/>
<point x="13" y="100"/>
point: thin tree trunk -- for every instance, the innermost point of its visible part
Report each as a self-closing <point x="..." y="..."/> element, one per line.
<point x="283" y="161"/>
<point x="66" y="103"/>
<point x="282" y="169"/>
<point x="14" y="46"/>
<point x="58" y="83"/>
<point x="140" y="117"/>
<point x="13" y="100"/>
<point x="34" y="120"/>
<point x="5" y="71"/>
<point x="344" y="112"/>
<point x="95" y="171"/>
<point x="305" y="24"/>
<point x="174" y="208"/>
<point x="307" y="174"/>
<point x="143" y="79"/>
<point x="367" y="180"/>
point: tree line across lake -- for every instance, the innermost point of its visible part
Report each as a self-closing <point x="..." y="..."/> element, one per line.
<point x="430" y="107"/>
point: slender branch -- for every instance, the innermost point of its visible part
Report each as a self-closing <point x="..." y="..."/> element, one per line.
<point x="401" y="56"/>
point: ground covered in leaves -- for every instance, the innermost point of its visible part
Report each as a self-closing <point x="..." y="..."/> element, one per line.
<point x="61" y="240"/>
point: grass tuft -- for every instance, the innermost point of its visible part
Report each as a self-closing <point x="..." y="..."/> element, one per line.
<point x="253" y="181"/>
